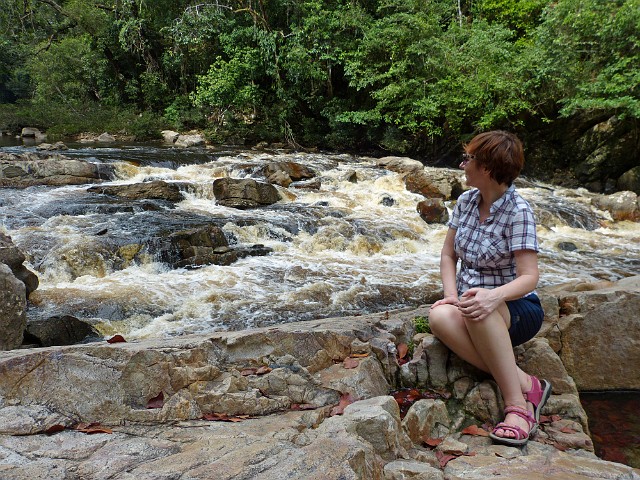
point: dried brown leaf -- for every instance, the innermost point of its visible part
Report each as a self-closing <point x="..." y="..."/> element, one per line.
<point x="475" y="430"/>
<point x="350" y="362"/>
<point x="116" y="339"/>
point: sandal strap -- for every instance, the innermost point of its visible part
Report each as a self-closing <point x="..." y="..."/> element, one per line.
<point x="522" y="413"/>
<point x="519" y="432"/>
<point x="534" y="395"/>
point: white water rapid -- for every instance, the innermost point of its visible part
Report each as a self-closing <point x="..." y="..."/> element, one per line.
<point x="345" y="249"/>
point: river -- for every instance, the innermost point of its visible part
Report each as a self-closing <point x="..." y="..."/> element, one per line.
<point x="348" y="248"/>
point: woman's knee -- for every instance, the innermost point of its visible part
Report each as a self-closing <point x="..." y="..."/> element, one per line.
<point x="441" y="317"/>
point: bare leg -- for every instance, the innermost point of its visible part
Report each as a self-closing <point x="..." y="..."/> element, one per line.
<point x="486" y="345"/>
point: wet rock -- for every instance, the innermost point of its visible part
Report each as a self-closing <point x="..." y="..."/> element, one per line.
<point x="187" y="141"/>
<point x="630" y="180"/>
<point x="567" y="246"/>
<point x="11" y="256"/>
<point x="621" y="205"/>
<point x="157" y="189"/>
<point x="32" y="132"/>
<point x="35" y="168"/>
<point x="59" y="330"/>
<point x="201" y="246"/>
<point x="13" y="306"/>
<point x="106" y="138"/>
<point x="244" y="193"/>
<point x="433" y="210"/>
<point x="169" y="136"/>
<point x="51" y="147"/>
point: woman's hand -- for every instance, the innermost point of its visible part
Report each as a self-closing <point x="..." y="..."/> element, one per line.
<point x="478" y="303"/>
<point x="450" y="300"/>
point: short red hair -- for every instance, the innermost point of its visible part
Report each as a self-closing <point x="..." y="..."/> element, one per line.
<point x="500" y="153"/>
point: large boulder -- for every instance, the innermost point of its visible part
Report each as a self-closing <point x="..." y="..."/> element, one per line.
<point x="244" y="193"/>
<point x="596" y="333"/>
<point x="13" y="306"/>
<point x="621" y="205"/>
<point x="156" y="189"/>
<point x="35" y="168"/>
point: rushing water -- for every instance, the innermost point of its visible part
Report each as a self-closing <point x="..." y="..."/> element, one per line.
<point x="345" y="249"/>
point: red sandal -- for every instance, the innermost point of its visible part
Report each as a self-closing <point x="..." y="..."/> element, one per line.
<point x="521" y="437"/>
<point x="537" y="396"/>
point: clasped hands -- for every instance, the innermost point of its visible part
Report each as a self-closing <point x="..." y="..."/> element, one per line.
<point x="474" y="304"/>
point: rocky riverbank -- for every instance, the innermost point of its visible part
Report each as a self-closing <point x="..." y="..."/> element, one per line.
<point x="310" y="400"/>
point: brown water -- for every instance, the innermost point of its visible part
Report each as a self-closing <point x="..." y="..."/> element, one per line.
<point x="614" y="422"/>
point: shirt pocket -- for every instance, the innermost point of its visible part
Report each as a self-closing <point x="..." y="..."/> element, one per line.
<point x="493" y="250"/>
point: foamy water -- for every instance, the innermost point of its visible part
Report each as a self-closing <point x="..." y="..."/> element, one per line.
<point x="348" y="248"/>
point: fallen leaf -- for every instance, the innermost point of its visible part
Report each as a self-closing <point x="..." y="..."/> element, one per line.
<point x="54" y="429"/>
<point x="345" y="400"/>
<point x="350" y="362"/>
<point x="568" y="430"/>
<point x="403" y="349"/>
<point x="444" y="458"/>
<point x="475" y="430"/>
<point x="223" y="417"/>
<point x="116" y="339"/>
<point x="432" y="442"/>
<point x="156" y="402"/>
<point x="90" y="428"/>
<point x="550" y="419"/>
<point x="262" y="370"/>
<point x="248" y="371"/>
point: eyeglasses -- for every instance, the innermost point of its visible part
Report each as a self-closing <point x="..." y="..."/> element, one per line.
<point x="466" y="158"/>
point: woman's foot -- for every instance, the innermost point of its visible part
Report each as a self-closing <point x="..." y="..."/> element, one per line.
<point x="536" y="395"/>
<point x="516" y="428"/>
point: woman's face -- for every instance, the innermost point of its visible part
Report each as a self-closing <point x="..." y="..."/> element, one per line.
<point x="472" y="171"/>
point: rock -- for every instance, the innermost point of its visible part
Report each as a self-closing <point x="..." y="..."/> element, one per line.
<point x="156" y="189"/>
<point x="295" y="171"/>
<point x="621" y="205"/>
<point x="244" y="193"/>
<point x="269" y="374"/>
<point x="402" y="165"/>
<point x="187" y="141"/>
<point x="426" y="418"/>
<point x="35" y="168"/>
<point x="52" y="147"/>
<point x="31" y="132"/>
<point x="433" y="210"/>
<point x="434" y="183"/>
<point x="410" y="469"/>
<point x="13" y="306"/>
<point x="630" y="180"/>
<point x="201" y="246"/>
<point x="598" y="334"/>
<point x="169" y="136"/>
<point x="59" y="330"/>
<point x="106" y="138"/>
<point x="11" y="256"/>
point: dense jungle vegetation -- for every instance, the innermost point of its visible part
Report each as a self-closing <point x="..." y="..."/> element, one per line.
<point x="398" y="75"/>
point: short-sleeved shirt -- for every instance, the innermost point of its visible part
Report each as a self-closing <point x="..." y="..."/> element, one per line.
<point x="486" y="250"/>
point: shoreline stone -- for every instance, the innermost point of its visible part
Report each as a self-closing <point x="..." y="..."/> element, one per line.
<point x="307" y="400"/>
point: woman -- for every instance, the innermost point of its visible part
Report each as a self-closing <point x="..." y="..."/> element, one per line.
<point x="490" y="305"/>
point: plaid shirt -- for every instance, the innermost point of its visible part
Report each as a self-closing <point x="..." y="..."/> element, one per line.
<point x="486" y="249"/>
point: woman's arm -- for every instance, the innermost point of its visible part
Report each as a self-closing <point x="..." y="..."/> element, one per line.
<point x="477" y="303"/>
<point x="448" y="263"/>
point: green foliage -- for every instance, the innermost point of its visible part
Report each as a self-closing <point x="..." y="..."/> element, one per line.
<point x="395" y="74"/>
<point x="421" y="324"/>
